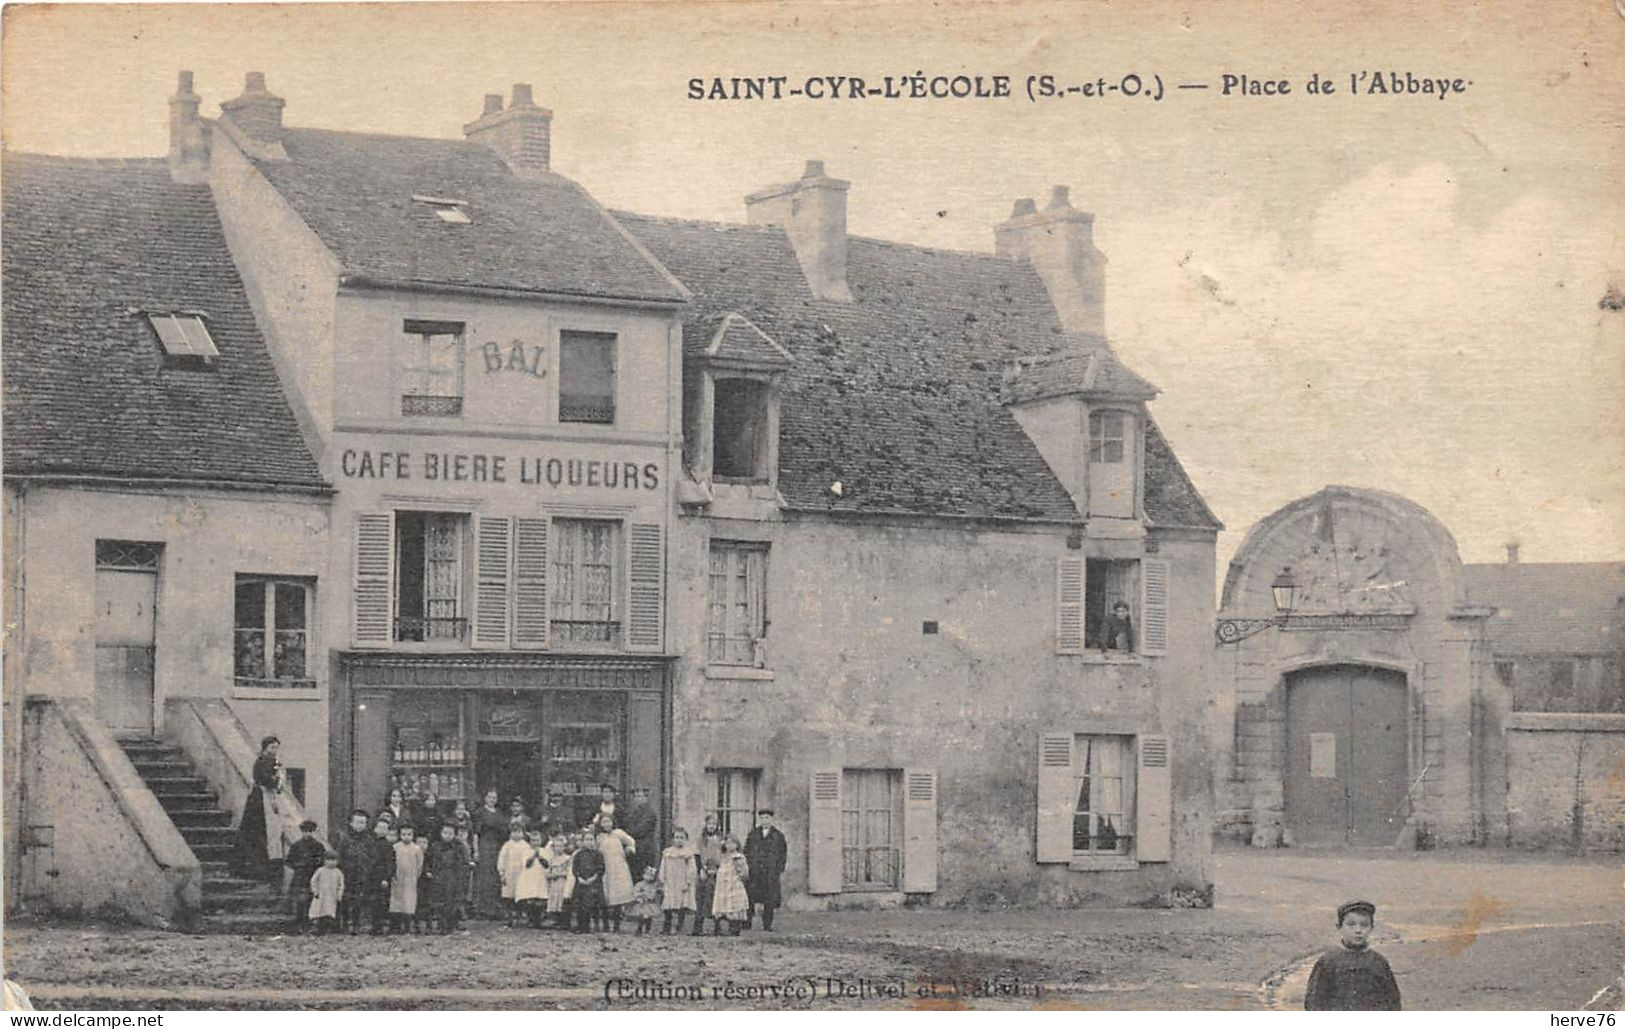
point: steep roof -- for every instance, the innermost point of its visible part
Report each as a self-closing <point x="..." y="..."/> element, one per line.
<point x="896" y="395"/>
<point x="88" y="246"/>
<point x="1088" y="367"/>
<point x="355" y="190"/>
<point x="1552" y="608"/>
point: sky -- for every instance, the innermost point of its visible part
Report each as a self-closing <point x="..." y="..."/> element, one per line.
<point x="1395" y="292"/>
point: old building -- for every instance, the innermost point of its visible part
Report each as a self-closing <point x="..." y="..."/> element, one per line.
<point x="751" y="515"/>
<point x="1379" y="692"/>
<point x="154" y="472"/>
<point x="1557" y="639"/>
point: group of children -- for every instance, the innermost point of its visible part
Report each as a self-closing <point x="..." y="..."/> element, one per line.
<point x="381" y="872"/>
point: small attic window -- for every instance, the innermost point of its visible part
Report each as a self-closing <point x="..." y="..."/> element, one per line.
<point x="454" y="212"/>
<point x="185" y="340"/>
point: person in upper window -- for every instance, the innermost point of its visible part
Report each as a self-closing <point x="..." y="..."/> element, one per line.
<point x="1119" y="629"/>
<point x="1352" y="977"/>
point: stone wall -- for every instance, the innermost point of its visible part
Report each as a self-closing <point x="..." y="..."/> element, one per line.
<point x="1566" y="781"/>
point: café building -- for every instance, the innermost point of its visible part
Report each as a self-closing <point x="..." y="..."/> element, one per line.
<point x="484" y="364"/>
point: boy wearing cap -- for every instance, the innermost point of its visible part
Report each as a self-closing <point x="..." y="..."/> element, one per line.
<point x="1352" y="977"/>
<point x="765" y="854"/>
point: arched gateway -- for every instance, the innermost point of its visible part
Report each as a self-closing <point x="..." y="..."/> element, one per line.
<point x="1350" y="716"/>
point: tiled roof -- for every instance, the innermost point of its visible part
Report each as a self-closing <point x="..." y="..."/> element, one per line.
<point x="89" y="244"/>
<point x="733" y="338"/>
<point x="1171" y="499"/>
<point x="896" y="395"/>
<point x="543" y="234"/>
<point x="1088" y="368"/>
<point x="1552" y="608"/>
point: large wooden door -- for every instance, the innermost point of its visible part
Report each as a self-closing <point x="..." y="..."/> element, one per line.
<point x="125" y="633"/>
<point x="1347" y="741"/>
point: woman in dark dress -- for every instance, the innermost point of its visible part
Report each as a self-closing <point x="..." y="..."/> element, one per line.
<point x="490" y="832"/>
<point x="259" y="833"/>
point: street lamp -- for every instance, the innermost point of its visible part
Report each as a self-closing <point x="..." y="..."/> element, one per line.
<point x="1285" y="591"/>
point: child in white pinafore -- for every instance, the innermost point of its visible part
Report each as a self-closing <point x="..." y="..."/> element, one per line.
<point x="679" y="873"/>
<point x="645" y="901"/>
<point x="731" y="903"/>
<point x="510" y="865"/>
<point x="403" y="888"/>
<point x="557" y="853"/>
<point x="530" y="888"/>
<point x="326" y="891"/>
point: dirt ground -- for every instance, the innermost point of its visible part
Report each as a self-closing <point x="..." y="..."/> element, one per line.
<point x="1461" y="929"/>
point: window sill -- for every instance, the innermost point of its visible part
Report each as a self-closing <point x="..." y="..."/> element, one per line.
<point x="311" y="692"/>
<point x="1103" y="863"/>
<point x="1096" y="657"/>
<point x="738" y="672"/>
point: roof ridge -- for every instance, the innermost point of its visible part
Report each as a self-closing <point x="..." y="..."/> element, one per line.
<point x="126" y="161"/>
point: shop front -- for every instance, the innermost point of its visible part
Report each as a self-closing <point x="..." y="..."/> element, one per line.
<point x="445" y="727"/>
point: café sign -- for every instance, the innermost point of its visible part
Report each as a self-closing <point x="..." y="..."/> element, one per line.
<point x="537" y="469"/>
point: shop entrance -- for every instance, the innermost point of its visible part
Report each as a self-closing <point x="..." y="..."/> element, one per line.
<point x="1347" y="741"/>
<point x="126" y="630"/>
<point x="513" y="770"/>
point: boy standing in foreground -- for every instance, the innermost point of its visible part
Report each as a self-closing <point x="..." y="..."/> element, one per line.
<point x="1352" y="977"/>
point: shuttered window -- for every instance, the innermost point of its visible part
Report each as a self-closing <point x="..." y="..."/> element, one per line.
<point x="646" y="589"/>
<point x="732" y="792"/>
<point x="530" y="627"/>
<point x="1154" y="575"/>
<point x="1102" y="795"/>
<point x="736" y="622"/>
<point x="585" y="559"/>
<point x="1069" y="593"/>
<point x="872" y="829"/>
<point x="492" y="568"/>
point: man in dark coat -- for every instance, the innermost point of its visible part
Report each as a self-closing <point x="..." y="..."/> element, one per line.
<point x="642" y="824"/>
<point x="555" y="817"/>
<point x="765" y="853"/>
<point x="1352" y="977"/>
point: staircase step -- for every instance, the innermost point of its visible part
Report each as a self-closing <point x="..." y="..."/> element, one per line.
<point x="173" y="802"/>
<point x="200" y="819"/>
<point x="150" y="767"/>
<point x="230" y="885"/>
<point x="212" y="836"/>
<point x="166" y="785"/>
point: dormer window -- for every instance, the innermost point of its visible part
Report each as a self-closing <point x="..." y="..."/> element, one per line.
<point x="453" y="212"/>
<point x="1113" y="446"/>
<point x="185" y="340"/>
<point x="739" y="430"/>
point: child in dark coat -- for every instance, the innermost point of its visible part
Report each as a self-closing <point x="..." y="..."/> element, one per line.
<point x="304" y="857"/>
<point x="354" y="848"/>
<point x="1352" y="977"/>
<point x="588" y="868"/>
<point x="446" y="869"/>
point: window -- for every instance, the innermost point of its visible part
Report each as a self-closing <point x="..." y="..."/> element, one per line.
<point x="128" y="555"/>
<point x="185" y="340"/>
<point x="429" y="566"/>
<point x="1113" y="438"/>
<point x="587" y="377"/>
<point x="1106" y="584"/>
<point x="739" y="430"/>
<point x="732" y="796"/>
<point x="452" y="212"/>
<point x="432" y="368"/>
<point x="736" y="626"/>
<point x="871" y="829"/>
<point x="583" y="580"/>
<point x="1101" y="790"/>
<point x="272" y="637"/>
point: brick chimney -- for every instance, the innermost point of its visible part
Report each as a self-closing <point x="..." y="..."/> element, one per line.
<point x="522" y="135"/>
<point x="812" y="211"/>
<point x="257" y="113"/>
<point x="1059" y="243"/>
<point x="188" y="135"/>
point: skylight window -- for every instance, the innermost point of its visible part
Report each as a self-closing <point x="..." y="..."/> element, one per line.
<point x="448" y="210"/>
<point x="185" y="339"/>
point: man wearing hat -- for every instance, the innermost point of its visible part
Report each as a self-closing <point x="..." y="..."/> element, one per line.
<point x="765" y="853"/>
<point x="642" y="824"/>
<point x="1352" y="977"/>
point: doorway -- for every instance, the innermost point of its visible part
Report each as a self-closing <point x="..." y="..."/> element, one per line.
<point x="513" y="770"/>
<point x="1347" y="749"/>
<point x="126" y="632"/>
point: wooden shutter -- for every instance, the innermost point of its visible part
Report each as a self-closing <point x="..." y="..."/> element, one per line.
<point x="824" y="832"/>
<point x="1055" y="800"/>
<point x="530" y="582"/>
<point x="919" y="830"/>
<point x="645" y="614"/>
<point x="1153" y="606"/>
<point x="493" y="561"/>
<point x="1154" y="804"/>
<point x="1069" y="605"/>
<point x="370" y="618"/>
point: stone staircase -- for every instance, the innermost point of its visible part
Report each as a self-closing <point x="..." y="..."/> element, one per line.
<point x="230" y="903"/>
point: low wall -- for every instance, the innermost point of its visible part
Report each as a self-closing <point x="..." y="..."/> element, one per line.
<point x="219" y="746"/>
<point x="112" y="847"/>
<point x="1566" y="781"/>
